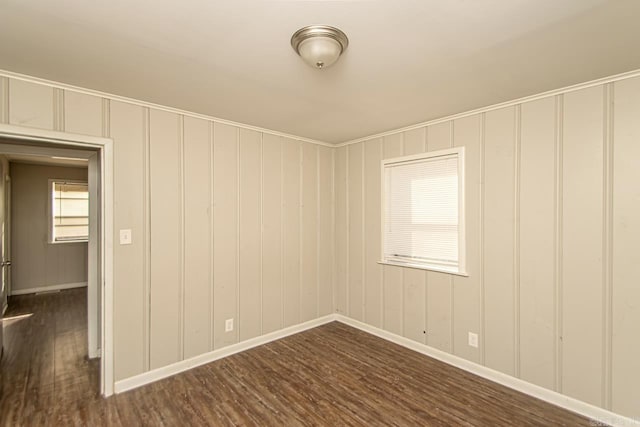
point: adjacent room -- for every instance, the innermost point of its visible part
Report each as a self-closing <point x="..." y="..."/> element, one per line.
<point x="320" y="212"/>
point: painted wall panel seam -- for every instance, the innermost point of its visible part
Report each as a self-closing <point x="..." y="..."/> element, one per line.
<point x="347" y="236"/>
<point x="236" y="323"/>
<point x="181" y="315"/>
<point x="558" y="241"/>
<point x="300" y="227"/>
<point x="146" y="238"/>
<point x="261" y="233"/>
<point x="4" y="100"/>
<point x="318" y="177"/>
<point x="211" y="237"/>
<point x="516" y="240"/>
<point x="363" y="232"/>
<point x="607" y="246"/>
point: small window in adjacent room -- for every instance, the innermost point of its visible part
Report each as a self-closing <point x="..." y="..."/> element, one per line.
<point x="423" y="211"/>
<point x="69" y="211"/>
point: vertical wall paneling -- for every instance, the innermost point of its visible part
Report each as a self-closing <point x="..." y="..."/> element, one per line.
<point x="250" y="299"/>
<point x="225" y="211"/>
<point x="481" y="239"/>
<point x="237" y="321"/>
<point x="625" y="357"/>
<point x="309" y="233"/>
<point x="341" y="229"/>
<point x="414" y="280"/>
<point x="356" y="248"/>
<point x="466" y="297"/>
<point x="31" y="105"/>
<point x="551" y="244"/>
<point x="607" y="245"/>
<point x="58" y="110"/>
<point x="146" y="238"/>
<point x="361" y="226"/>
<point x="291" y="220"/>
<point x="582" y="244"/>
<point x="558" y="252"/>
<point x="211" y="135"/>
<point x="334" y="209"/>
<point x="4" y="100"/>
<point x="261" y="232"/>
<point x="537" y="229"/>
<point x="348" y="231"/>
<point x="166" y="238"/>
<point x="272" y="287"/>
<point x="498" y="252"/>
<point x="516" y="240"/>
<point x="197" y="232"/>
<point x="82" y="114"/>
<point x="393" y="295"/>
<point x="127" y="131"/>
<point x="106" y="126"/>
<point x="187" y="189"/>
<point x="439" y="292"/>
<point x="317" y="231"/>
<point x="181" y="240"/>
<point x="373" y="270"/>
<point x="325" y="231"/>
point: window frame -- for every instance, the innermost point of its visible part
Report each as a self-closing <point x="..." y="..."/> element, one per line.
<point x="50" y="199"/>
<point x="458" y="152"/>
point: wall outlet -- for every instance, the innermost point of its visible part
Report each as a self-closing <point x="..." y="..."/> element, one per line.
<point x="228" y="325"/>
<point x="473" y="339"/>
<point x="125" y="237"/>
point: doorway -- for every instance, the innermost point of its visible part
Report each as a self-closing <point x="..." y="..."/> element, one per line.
<point x="96" y="153"/>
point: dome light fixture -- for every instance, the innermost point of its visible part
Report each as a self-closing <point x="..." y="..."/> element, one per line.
<point x="319" y="45"/>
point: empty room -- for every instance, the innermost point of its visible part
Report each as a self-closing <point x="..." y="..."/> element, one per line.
<point x="305" y="212"/>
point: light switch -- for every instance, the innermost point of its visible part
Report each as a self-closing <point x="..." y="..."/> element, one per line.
<point x="125" y="237"/>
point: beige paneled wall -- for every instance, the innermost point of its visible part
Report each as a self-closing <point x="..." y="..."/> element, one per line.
<point x="553" y="244"/>
<point x="37" y="263"/>
<point x="230" y="222"/>
<point x="227" y="223"/>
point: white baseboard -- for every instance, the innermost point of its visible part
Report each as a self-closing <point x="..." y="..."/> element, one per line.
<point x="48" y="288"/>
<point x="184" y="365"/>
<point x="595" y="413"/>
<point x="590" y="411"/>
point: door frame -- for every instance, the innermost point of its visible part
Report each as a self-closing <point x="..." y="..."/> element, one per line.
<point x="54" y="139"/>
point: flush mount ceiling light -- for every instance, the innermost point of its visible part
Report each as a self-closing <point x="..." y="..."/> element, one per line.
<point x="319" y="45"/>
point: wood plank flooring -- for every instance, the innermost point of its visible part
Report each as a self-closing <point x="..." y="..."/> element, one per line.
<point x="332" y="375"/>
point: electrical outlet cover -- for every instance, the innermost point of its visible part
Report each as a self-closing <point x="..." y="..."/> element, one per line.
<point x="473" y="339"/>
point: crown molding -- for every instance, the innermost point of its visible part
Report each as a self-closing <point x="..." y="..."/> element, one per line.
<point x="64" y="86"/>
<point x="554" y="92"/>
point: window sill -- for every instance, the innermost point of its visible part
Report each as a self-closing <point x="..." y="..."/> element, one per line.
<point x="65" y="242"/>
<point x="435" y="268"/>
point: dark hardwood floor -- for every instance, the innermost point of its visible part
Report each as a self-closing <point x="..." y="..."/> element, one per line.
<point x="332" y="375"/>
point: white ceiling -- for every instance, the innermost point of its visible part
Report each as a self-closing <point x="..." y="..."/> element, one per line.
<point x="407" y="61"/>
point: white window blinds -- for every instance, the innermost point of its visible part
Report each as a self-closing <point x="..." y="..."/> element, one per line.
<point x="422" y="213"/>
<point x="70" y="211"/>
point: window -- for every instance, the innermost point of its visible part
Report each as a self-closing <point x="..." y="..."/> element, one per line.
<point x="423" y="211"/>
<point x="69" y="211"/>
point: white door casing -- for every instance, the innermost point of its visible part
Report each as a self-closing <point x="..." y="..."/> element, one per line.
<point x="100" y="267"/>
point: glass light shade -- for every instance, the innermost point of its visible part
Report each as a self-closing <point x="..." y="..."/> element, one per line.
<point x="320" y="52"/>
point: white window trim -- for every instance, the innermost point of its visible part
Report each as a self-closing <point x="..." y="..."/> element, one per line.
<point x="50" y="239"/>
<point x="462" y="249"/>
